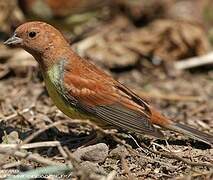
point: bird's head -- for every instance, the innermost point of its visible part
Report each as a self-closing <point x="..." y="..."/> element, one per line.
<point x="39" y="39"/>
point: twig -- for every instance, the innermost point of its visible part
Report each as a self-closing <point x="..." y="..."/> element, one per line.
<point x="19" y="113"/>
<point x="161" y="146"/>
<point x="32" y="145"/>
<point x="12" y="165"/>
<point x="72" y="159"/>
<point x="34" y="135"/>
<point x="29" y="156"/>
<point x="62" y="151"/>
<point x="194" y="62"/>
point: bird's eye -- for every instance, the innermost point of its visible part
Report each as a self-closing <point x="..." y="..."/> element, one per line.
<point x="32" y="34"/>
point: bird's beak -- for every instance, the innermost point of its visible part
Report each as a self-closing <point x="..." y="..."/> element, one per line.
<point x="13" y="41"/>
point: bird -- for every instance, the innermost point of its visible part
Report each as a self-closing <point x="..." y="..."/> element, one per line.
<point x="82" y="90"/>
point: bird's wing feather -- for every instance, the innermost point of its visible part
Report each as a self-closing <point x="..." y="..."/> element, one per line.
<point x="111" y="102"/>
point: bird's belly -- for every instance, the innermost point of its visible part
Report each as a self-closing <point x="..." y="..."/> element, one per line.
<point x="61" y="103"/>
<point x="69" y="110"/>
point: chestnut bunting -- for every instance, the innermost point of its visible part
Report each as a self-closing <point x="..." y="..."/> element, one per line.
<point x="81" y="90"/>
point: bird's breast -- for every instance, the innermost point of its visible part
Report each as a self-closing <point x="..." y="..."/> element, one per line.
<point x="52" y="81"/>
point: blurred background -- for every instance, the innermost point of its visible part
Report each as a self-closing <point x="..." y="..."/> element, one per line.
<point x="161" y="49"/>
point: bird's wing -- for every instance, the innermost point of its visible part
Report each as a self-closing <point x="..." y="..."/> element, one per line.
<point x="111" y="102"/>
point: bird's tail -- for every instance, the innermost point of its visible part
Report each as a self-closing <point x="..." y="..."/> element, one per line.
<point x="191" y="132"/>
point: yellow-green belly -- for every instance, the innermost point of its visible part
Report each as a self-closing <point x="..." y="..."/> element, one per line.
<point x="61" y="103"/>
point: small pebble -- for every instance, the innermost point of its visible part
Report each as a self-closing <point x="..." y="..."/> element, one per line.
<point x="95" y="153"/>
